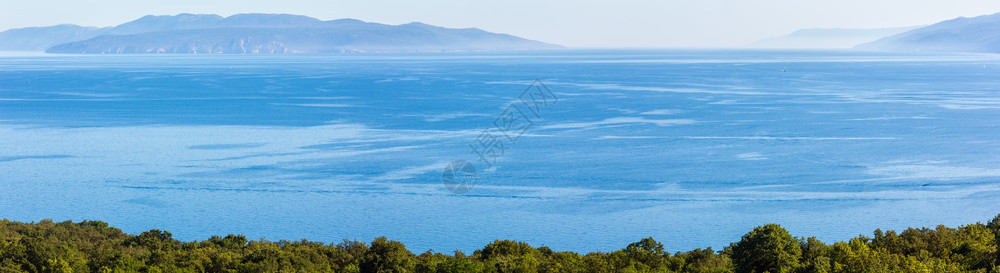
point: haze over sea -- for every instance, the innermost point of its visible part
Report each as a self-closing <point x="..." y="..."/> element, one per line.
<point x="691" y="147"/>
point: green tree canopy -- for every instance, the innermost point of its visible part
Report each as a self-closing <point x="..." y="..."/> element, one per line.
<point x="93" y="246"/>
<point x="769" y="248"/>
<point x="385" y="256"/>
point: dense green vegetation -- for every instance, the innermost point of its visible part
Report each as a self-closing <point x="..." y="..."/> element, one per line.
<point x="92" y="246"/>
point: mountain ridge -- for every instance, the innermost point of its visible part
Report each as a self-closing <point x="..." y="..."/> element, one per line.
<point x="41" y="38"/>
<point x="828" y="38"/>
<point x="259" y="33"/>
<point x="980" y="34"/>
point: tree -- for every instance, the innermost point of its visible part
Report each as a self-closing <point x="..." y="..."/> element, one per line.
<point x="645" y="247"/>
<point x="428" y="262"/>
<point x="559" y="262"/>
<point x="648" y="252"/>
<point x="857" y="256"/>
<point x="994" y="226"/>
<point x="504" y="248"/>
<point x="705" y="261"/>
<point x="766" y="249"/>
<point x="386" y="256"/>
<point x="153" y="239"/>
<point x="814" y="254"/>
<point x="458" y="265"/>
<point x="509" y="256"/>
<point x="230" y="242"/>
<point x="92" y="246"/>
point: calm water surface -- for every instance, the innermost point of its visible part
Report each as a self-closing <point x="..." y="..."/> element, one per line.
<point x="693" y="148"/>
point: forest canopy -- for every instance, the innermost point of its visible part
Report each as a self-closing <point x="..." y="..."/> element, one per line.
<point x="94" y="246"/>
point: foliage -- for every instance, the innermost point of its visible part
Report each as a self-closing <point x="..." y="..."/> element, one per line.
<point x="769" y="248"/>
<point x="93" y="246"/>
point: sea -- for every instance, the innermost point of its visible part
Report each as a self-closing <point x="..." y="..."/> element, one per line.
<point x="577" y="150"/>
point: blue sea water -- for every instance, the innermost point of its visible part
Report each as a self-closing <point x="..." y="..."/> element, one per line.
<point x="691" y="147"/>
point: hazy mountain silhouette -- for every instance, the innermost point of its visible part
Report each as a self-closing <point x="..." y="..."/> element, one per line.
<point x="41" y="38"/>
<point x="828" y="37"/>
<point x="978" y="34"/>
<point x="258" y="34"/>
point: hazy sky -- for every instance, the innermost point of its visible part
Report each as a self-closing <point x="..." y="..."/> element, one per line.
<point x="580" y="23"/>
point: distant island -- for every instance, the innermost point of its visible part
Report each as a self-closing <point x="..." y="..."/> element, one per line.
<point x="257" y="34"/>
<point x="976" y="35"/>
<point x="969" y="35"/>
<point x="828" y="38"/>
<point x="93" y="246"/>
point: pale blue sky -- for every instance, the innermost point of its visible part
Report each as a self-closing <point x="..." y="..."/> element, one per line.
<point x="619" y="23"/>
